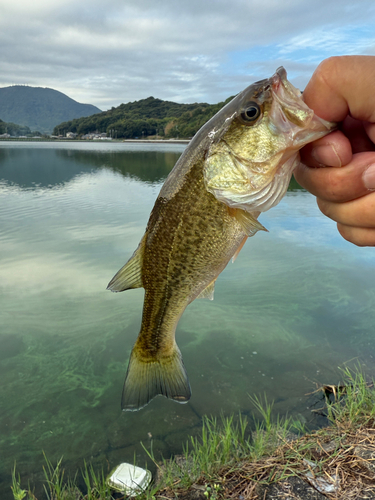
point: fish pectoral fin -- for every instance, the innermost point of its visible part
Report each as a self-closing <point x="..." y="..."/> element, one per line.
<point x="130" y="275"/>
<point x="248" y="222"/>
<point x="147" y="378"/>
<point x="208" y="292"/>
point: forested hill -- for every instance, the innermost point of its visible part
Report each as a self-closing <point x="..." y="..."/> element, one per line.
<point x="144" y="118"/>
<point x="13" y="129"/>
<point x="40" y="108"/>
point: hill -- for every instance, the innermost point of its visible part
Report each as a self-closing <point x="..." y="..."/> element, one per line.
<point x="144" y="118"/>
<point x="40" y="108"/>
<point x="13" y="129"/>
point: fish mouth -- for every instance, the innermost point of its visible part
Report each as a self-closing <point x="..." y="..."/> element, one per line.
<point x="284" y="92"/>
<point x="290" y="113"/>
<point x="278" y="78"/>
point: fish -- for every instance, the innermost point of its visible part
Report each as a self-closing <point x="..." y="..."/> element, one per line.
<point x="237" y="166"/>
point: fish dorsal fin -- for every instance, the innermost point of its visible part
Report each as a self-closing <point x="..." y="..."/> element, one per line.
<point x="248" y="222"/>
<point x="208" y="292"/>
<point x="130" y="275"/>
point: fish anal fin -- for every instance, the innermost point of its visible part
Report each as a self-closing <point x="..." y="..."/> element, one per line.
<point x="130" y="275"/>
<point x="208" y="292"/>
<point x="149" y="377"/>
<point x="248" y="222"/>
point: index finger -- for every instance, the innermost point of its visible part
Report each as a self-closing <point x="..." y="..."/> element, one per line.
<point x="343" y="85"/>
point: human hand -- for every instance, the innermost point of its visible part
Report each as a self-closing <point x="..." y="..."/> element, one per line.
<point x="342" y="89"/>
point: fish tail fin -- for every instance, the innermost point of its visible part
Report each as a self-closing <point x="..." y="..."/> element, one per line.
<point x="150" y="377"/>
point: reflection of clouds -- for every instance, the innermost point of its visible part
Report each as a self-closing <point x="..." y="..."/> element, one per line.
<point x="298" y="220"/>
<point x="97" y="191"/>
<point x="100" y="231"/>
<point x="302" y="268"/>
<point x="75" y="237"/>
<point x="38" y="274"/>
<point x="51" y="277"/>
<point x="104" y="187"/>
<point x="100" y="147"/>
<point x="71" y="239"/>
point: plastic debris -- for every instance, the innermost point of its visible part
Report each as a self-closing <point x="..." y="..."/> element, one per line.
<point x="129" y="479"/>
<point x="320" y="484"/>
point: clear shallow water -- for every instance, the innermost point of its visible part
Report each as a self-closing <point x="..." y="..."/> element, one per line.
<point x="297" y="304"/>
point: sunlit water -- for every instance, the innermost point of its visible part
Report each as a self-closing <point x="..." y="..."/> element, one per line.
<point x="297" y="304"/>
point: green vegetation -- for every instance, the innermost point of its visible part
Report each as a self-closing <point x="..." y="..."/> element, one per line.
<point x="48" y="111"/>
<point x="229" y="461"/>
<point x="39" y="108"/>
<point x="15" y="130"/>
<point x="147" y="117"/>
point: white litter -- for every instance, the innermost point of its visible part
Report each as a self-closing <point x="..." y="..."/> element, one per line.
<point x="320" y="484"/>
<point x="129" y="479"/>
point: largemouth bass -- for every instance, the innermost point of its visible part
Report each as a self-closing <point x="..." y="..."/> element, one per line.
<point x="238" y="165"/>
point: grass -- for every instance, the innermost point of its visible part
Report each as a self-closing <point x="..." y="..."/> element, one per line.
<point x="18" y="492"/>
<point x="57" y="487"/>
<point x="223" y="448"/>
<point x="225" y="463"/>
<point x="230" y="461"/>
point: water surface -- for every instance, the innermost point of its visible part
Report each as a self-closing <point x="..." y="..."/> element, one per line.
<point x="297" y="304"/>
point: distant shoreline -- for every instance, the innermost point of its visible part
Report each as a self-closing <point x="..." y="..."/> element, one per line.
<point x="142" y="141"/>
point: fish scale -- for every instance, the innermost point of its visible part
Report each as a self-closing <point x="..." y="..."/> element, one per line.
<point x="187" y="262"/>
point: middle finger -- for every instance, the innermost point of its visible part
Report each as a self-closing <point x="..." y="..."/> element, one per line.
<point x="337" y="184"/>
<point x="355" y="213"/>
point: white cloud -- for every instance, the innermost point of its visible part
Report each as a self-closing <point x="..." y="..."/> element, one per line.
<point x="332" y="40"/>
<point x="108" y="53"/>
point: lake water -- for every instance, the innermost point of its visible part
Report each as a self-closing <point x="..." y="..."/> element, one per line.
<point x="298" y="304"/>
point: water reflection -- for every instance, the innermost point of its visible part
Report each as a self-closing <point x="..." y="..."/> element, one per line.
<point x="32" y="167"/>
<point x="48" y="167"/>
<point x="147" y="166"/>
<point x="298" y="302"/>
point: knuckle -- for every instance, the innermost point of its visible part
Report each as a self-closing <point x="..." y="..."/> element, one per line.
<point x="347" y="233"/>
<point x="334" y="186"/>
<point x="327" y="70"/>
<point x="342" y="184"/>
<point x="325" y="207"/>
<point x="361" y="237"/>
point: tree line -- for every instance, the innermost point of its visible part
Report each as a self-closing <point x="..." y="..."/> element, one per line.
<point x="15" y="130"/>
<point x="147" y="117"/>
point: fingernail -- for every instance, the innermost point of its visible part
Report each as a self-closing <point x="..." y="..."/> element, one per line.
<point x="326" y="155"/>
<point x="369" y="177"/>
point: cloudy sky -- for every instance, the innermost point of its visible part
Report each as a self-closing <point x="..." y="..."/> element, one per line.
<point x="106" y="53"/>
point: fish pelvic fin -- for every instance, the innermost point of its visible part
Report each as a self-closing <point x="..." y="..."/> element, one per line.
<point x="130" y="275"/>
<point x="150" y="377"/>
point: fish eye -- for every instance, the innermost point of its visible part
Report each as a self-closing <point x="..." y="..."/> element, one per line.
<point x="251" y="113"/>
